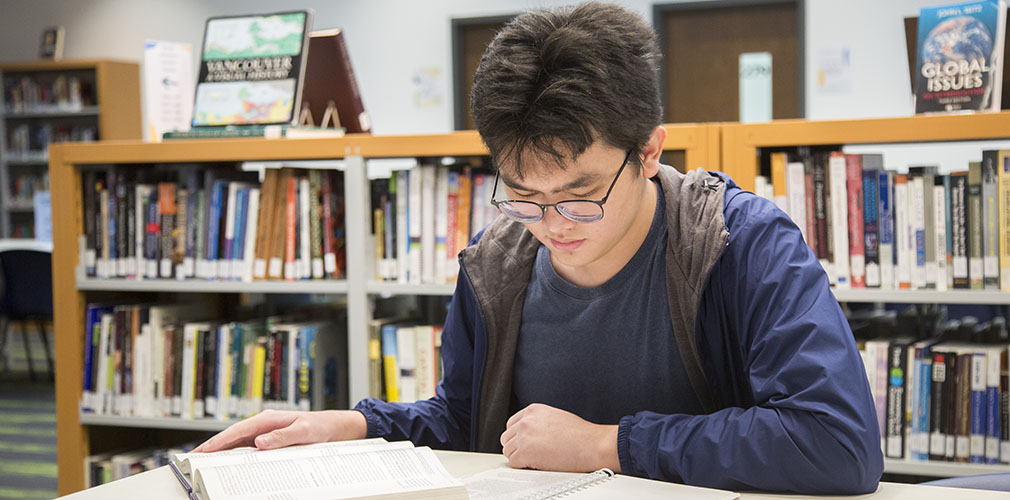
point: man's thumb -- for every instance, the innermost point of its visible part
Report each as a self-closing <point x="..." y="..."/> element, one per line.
<point x="274" y="439"/>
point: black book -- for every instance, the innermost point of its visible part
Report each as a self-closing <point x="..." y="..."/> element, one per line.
<point x="89" y="222"/>
<point x="959" y="227"/>
<point x="897" y="385"/>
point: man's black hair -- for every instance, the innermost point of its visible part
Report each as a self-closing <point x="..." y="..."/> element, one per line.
<point x="554" y="81"/>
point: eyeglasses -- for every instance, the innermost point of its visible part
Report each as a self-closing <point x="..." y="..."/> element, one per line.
<point x="528" y="212"/>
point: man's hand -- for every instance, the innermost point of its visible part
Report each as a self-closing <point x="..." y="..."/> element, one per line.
<point x="277" y="429"/>
<point x="546" y="438"/>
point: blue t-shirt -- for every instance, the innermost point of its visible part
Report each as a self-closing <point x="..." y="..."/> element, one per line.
<point x="607" y="351"/>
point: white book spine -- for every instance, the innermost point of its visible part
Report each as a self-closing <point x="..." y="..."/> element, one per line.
<point x="250" y="235"/>
<point x="918" y="217"/>
<point x="189" y="345"/>
<point x="940" y="232"/>
<point x="428" y="181"/>
<point x="402" y="241"/>
<point x="796" y="191"/>
<point x="839" y="220"/>
<point x="414" y="225"/>
<point x="441" y="223"/>
<point x="224" y="263"/>
<point x="901" y="229"/>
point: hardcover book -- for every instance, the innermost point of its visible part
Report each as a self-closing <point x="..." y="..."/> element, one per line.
<point x="959" y="57"/>
<point x="330" y="82"/>
<point x="251" y="69"/>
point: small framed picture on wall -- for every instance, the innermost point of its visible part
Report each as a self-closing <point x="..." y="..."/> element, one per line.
<point x="52" y="43"/>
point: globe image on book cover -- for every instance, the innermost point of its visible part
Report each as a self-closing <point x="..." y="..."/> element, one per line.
<point x="961" y="39"/>
<point x="959" y="50"/>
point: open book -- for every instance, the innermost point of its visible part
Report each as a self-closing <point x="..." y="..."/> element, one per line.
<point x="509" y="484"/>
<point x="370" y="468"/>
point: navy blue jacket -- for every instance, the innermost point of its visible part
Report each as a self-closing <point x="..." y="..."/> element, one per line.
<point x="792" y="406"/>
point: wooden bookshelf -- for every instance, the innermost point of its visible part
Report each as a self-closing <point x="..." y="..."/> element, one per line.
<point x="77" y="432"/>
<point x="741" y="142"/>
<point x="115" y="112"/>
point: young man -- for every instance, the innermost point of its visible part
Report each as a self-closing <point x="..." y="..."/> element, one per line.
<point x="621" y="314"/>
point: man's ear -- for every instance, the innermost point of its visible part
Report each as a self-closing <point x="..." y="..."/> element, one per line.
<point x="652" y="151"/>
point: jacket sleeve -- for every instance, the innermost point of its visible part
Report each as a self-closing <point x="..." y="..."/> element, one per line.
<point x="441" y="422"/>
<point x="799" y="415"/>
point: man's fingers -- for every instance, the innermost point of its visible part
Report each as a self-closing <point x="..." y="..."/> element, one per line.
<point x="245" y="432"/>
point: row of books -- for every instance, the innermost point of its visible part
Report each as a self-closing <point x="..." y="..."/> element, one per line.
<point x="29" y="94"/>
<point x="423" y="217"/>
<point x="24" y="186"/>
<point x="941" y="394"/>
<point x="405" y="360"/>
<point x="25" y="139"/>
<point x="154" y="360"/>
<point x="214" y="224"/>
<point x="875" y="228"/>
<point x="102" y="468"/>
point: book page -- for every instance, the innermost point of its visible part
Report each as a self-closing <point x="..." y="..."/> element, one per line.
<point x="190" y="462"/>
<point x="374" y="473"/>
<point x="506" y="484"/>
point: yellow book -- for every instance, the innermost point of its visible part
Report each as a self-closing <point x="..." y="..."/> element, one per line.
<point x="259" y="362"/>
<point x="779" y="161"/>
<point x="1003" y="173"/>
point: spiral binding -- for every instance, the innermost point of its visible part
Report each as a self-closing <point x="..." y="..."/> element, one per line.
<point x="571" y="486"/>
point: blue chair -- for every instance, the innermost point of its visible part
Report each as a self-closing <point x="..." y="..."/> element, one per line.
<point x="27" y="273"/>
<point x="991" y="482"/>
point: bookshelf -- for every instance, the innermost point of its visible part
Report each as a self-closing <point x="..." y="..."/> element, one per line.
<point x="79" y="433"/>
<point x="741" y="146"/>
<point x="108" y="105"/>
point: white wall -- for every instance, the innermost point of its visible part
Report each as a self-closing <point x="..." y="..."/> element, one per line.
<point x="391" y="40"/>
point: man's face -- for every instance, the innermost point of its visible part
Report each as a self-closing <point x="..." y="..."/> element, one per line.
<point x="572" y="244"/>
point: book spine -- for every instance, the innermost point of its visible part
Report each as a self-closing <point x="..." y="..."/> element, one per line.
<point x="949" y="226"/>
<point x="854" y="183"/>
<point x="241" y="229"/>
<point x="951" y="410"/>
<point x="992" y="405"/>
<point x="290" y="235"/>
<point x="441" y="224"/>
<point x="809" y="204"/>
<point x="871" y="230"/>
<point x="429" y="182"/>
<point x="895" y="439"/>
<point x="1003" y="179"/>
<point x="918" y="216"/>
<point x="402" y="235"/>
<point x="465" y="207"/>
<point x="90" y="234"/>
<point x="304" y="266"/>
<point x="1004" y="406"/>
<point x="886" y="228"/>
<point x="167" y="209"/>
<point x="315" y="228"/>
<point x="778" y="164"/>
<point x="975" y="262"/>
<point x="929" y="228"/>
<point x="452" y="203"/>
<point x="978" y="407"/>
<point x="940" y="232"/>
<point x="181" y="230"/>
<point x="796" y="189"/>
<point x="959" y="226"/>
<point x="265" y="221"/>
<point x="122" y="225"/>
<point x="963" y="403"/>
<point x="390" y="368"/>
<point x="903" y="275"/>
<point x="990" y="220"/>
<point x="329" y="256"/>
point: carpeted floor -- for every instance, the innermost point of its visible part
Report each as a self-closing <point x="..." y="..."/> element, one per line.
<point x="27" y="424"/>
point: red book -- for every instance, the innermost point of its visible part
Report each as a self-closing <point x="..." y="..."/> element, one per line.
<point x="808" y="181"/>
<point x="289" y="229"/>
<point x="854" y="183"/>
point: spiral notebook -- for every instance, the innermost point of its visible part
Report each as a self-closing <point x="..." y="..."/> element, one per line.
<point x="518" y="484"/>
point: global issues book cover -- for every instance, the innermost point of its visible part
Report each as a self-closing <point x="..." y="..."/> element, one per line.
<point x="960" y="57"/>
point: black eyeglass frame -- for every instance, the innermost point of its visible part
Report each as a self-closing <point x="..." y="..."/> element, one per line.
<point x="544" y="206"/>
